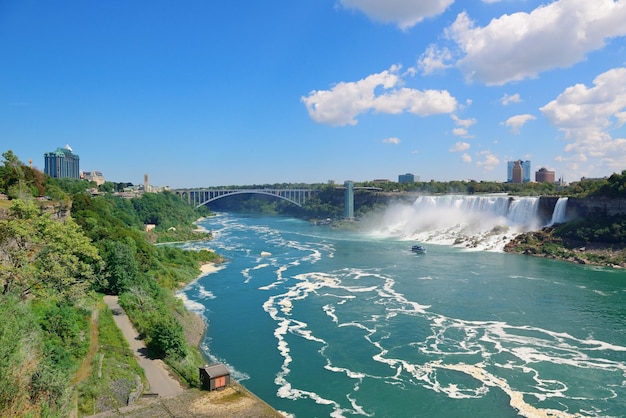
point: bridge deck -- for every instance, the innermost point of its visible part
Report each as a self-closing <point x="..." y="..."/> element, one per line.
<point x="199" y="197"/>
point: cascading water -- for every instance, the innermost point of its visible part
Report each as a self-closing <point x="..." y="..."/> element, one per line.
<point x="485" y="222"/>
<point x="559" y="215"/>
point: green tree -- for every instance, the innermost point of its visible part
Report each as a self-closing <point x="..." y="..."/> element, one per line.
<point x="68" y="262"/>
<point x="614" y="186"/>
<point x="168" y="339"/>
<point x="120" y="266"/>
<point x="13" y="182"/>
<point x="19" y="245"/>
<point x="45" y="257"/>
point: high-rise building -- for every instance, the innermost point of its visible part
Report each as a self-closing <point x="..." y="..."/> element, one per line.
<point x="406" y="178"/>
<point x="543" y="175"/>
<point x="525" y="166"/>
<point x="526" y="171"/>
<point x="516" y="175"/>
<point x="62" y="163"/>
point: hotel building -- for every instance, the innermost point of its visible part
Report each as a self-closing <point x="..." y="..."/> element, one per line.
<point x="62" y="163"/>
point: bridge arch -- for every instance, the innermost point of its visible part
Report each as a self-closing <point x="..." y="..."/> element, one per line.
<point x="236" y="192"/>
<point x="200" y="197"/>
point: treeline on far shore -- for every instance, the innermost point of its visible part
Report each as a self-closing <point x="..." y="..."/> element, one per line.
<point x="58" y="256"/>
<point x="606" y="234"/>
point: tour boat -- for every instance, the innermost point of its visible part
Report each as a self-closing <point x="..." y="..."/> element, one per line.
<point x="418" y="249"/>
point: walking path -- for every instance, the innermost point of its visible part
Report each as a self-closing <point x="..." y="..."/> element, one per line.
<point x="159" y="380"/>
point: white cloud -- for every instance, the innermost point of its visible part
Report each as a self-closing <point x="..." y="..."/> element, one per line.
<point x="460" y="147"/>
<point x="521" y="45"/>
<point x="466" y="158"/>
<point x="586" y="115"/>
<point x="515" y="123"/>
<point x="490" y="161"/>
<point x="466" y="123"/>
<point x="434" y="60"/>
<point x="404" y="13"/>
<point x="463" y="124"/>
<point x="507" y="100"/>
<point x="381" y="93"/>
<point x="462" y="132"/>
<point x="391" y="140"/>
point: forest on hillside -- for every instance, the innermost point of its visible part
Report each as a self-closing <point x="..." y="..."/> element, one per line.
<point x="55" y="266"/>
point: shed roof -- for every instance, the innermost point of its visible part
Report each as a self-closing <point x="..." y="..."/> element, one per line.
<point x="216" y="370"/>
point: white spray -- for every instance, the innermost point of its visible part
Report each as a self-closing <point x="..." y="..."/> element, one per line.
<point x="485" y="222"/>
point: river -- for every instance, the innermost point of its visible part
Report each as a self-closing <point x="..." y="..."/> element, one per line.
<point x="325" y="322"/>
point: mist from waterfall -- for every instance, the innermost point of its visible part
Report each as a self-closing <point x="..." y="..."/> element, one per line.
<point x="485" y="222"/>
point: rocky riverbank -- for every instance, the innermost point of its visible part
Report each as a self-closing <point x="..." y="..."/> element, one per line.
<point x="545" y="243"/>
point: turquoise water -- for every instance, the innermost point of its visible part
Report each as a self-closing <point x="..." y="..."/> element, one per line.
<point x="320" y="322"/>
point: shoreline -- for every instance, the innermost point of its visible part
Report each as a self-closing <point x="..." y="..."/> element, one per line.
<point x="206" y="269"/>
<point x="262" y="408"/>
<point x="543" y="244"/>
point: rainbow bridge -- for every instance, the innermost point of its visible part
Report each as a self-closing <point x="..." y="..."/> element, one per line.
<point x="199" y="197"/>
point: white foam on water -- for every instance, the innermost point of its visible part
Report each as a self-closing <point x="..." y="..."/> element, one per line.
<point x="246" y="273"/>
<point x="516" y="398"/>
<point x="330" y="311"/>
<point x="191" y="305"/>
<point x="526" y="347"/>
<point x="279" y="307"/>
<point x="203" y="293"/>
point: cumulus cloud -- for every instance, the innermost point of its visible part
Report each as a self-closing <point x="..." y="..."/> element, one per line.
<point x="460" y="147"/>
<point x="521" y="45"/>
<point x="462" y="124"/>
<point x="466" y="123"/>
<point x="382" y="92"/>
<point x="404" y="13"/>
<point x="586" y="115"/>
<point x="507" y="100"/>
<point x="515" y="123"/>
<point x="466" y="158"/>
<point x="391" y="140"/>
<point x="462" y="132"/>
<point x="434" y="60"/>
<point x="489" y="162"/>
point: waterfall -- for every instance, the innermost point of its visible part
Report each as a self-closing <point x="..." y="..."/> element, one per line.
<point x="560" y="211"/>
<point x="524" y="212"/>
<point x="513" y="211"/>
<point x="484" y="222"/>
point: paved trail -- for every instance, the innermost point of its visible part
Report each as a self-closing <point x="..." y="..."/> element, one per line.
<point x="156" y="371"/>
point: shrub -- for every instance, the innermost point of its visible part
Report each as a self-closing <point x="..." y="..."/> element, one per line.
<point x="168" y="339"/>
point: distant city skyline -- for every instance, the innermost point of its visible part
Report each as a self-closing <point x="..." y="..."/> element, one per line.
<point x="208" y="94"/>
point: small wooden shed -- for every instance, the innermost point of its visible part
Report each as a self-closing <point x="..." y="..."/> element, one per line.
<point x="214" y="377"/>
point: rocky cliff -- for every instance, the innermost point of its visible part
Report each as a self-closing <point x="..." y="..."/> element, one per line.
<point x="595" y="206"/>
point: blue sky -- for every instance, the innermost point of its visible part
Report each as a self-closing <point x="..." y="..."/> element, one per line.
<point x="210" y="93"/>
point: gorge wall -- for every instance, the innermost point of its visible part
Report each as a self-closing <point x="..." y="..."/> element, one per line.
<point x="595" y="206"/>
